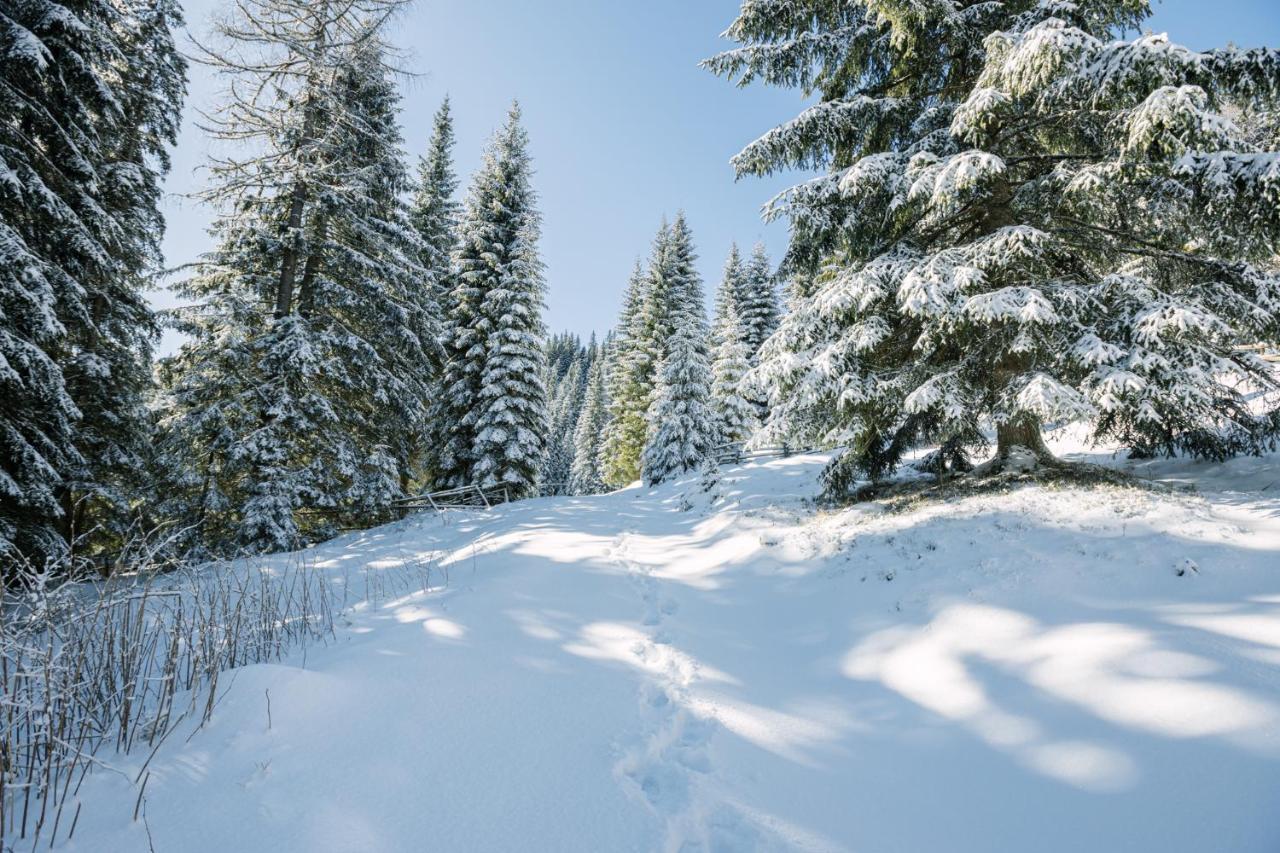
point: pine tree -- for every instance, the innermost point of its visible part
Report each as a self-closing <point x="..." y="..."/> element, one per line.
<point x="629" y="384"/>
<point x="681" y="426"/>
<point x="758" y="307"/>
<point x="109" y="368"/>
<point x="435" y="213"/>
<point x="494" y="383"/>
<point x="735" y="415"/>
<point x="673" y="295"/>
<point x="82" y="149"/>
<point x="302" y="385"/>
<point x="562" y="350"/>
<point x="586" y="476"/>
<point x="730" y="294"/>
<point x="1039" y="224"/>
<point x="758" y="301"/>
<point x="682" y="430"/>
<point x="568" y="364"/>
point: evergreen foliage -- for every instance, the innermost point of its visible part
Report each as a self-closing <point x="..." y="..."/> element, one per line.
<point x="758" y="301"/>
<point x="435" y="213"/>
<point x="297" y="397"/>
<point x="735" y="414"/>
<point x="494" y="412"/>
<point x="568" y="364"/>
<point x="90" y="94"/>
<point x="681" y="426"/>
<point x="629" y="383"/>
<point x="1024" y="221"/>
<point x="730" y="294"/>
<point x="586" y="476"/>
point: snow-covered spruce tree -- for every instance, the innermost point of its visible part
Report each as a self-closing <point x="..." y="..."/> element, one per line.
<point x="435" y="212"/>
<point x="630" y="383"/>
<point x="655" y="299"/>
<point x="730" y="293"/>
<point x="758" y="301"/>
<point x="1025" y="221"/>
<point x="760" y="313"/>
<point x="735" y="415"/>
<point x="585" y="475"/>
<point x="746" y="314"/>
<point x="568" y="364"/>
<point x="109" y="360"/>
<point x="681" y="425"/>
<point x="494" y="382"/>
<point x="562" y="350"/>
<point x="366" y="295"/>
<point x="300" y="388"/>
<point x="82" y="149"/>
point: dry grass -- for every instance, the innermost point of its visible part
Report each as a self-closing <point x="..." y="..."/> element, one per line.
<point x="93" y="670"/>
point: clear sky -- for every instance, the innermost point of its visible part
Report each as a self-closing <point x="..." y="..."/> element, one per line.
<point x="624" y="126"/>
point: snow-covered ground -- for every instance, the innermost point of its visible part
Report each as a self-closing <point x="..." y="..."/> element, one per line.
<point x="1051" y="669"/>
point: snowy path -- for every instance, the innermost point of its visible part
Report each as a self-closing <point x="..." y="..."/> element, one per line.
<point x="1006" y="673"/>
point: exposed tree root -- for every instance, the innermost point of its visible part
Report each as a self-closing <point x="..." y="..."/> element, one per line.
<point x="1017" y="468"/>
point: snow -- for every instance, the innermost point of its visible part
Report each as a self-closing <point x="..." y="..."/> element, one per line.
<point x="1052" y="668"/>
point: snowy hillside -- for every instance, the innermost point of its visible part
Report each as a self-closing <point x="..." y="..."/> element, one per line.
<point x="1050" y="669"/>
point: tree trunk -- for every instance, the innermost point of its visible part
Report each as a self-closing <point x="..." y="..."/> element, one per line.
<point x="307" y="290"/>
<point x="289" y="263"/>
<point x="297" y="204"/>
<point x="1025" y="433"/>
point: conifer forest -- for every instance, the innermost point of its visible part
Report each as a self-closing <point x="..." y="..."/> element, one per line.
<point x="927" y="501"/>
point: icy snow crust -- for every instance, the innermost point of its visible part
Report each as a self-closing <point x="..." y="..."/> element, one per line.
<point x="1051" y="669"/>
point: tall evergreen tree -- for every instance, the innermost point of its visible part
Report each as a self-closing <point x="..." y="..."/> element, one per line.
<point x="758" y="301"/>
<point x="90" y="94"/>
<point x="1037" y="224"/>
<point x="435" y="212"/>
<point x="730" y="293"/>
<point x="735" y="414"/>
<point x="681" y="426"/>
<point x="308" y="405"/>
<point x="566" y="385"/>
<point x="672" y="295"/>
<point x="629" y="381"/>
<point x="586" y="475"/>
<point x="495" y="403"/>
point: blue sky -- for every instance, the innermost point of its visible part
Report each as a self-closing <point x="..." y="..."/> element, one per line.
<point x="624" y="126"/>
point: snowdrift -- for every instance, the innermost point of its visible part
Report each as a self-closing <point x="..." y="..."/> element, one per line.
<point x="1048" y="669"/>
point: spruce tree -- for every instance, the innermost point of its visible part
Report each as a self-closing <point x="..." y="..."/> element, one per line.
<point x="568" y="364"/>
<point x="495" y="400"/>
<point x="735" y="414"/>
<point x="681" y="426"/>
<point x="301" y="387"/>
<point x="586" y="475"/>
<point x="1040" y="223"/>
<point x="435" y="213"/>
<point x="682" y="429"/>
<point x="629" y="384"/>
<point x="730" y="293"/>
<point x="758" y="301"/>
<point x="90" y="94"/>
